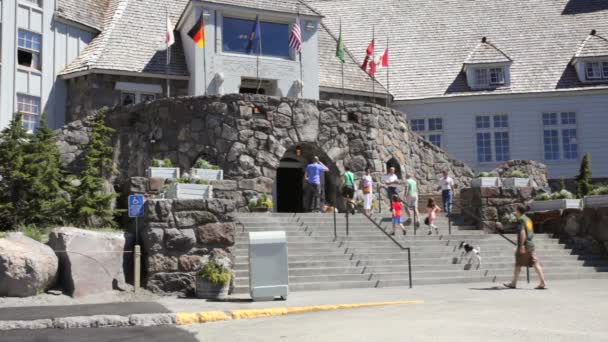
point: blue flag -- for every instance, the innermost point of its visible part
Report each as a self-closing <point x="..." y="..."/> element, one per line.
<point x="256" y="34"/>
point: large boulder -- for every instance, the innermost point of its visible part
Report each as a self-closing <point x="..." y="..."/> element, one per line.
<point x="27" y="267"/>
<point x="90" y="262"/>
<point x="535" y="170"/>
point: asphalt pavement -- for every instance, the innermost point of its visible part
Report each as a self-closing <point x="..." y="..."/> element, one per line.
<point x="130" y="334"/>
<point x="54" y="311"/>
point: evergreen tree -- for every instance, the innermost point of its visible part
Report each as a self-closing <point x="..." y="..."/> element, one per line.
<point x="583" y="180"/>
<point x="13" y="205"/>
<point x="91" y="206"/>
<point x="46" y="199"/>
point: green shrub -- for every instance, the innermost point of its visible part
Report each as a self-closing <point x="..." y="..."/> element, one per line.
<point x="583" y="179"/>
<point x="599" y="190"/>
<point x="203" y="164"/>
<point x="542" y="197"/>
<point x="487" y="174"/>
<point x="518" y="174"/>
<point x="563" y="194"/>
<point x="162" y="163"/>
<point x="215" y="273"/>
<point x="33" y="232"/>
<point x="260" y="203"/>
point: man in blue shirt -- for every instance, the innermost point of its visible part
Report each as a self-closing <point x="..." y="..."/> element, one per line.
<point x="312" y="174"/>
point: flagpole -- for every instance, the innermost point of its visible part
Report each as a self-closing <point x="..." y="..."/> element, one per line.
<point x="374" y="61"/>
<point x="388" y="72"/>
<point x="168" y="55"/>
<point x="204" y="55"/>
<point x="300" y="54"/>
<point x="257" y="68"/>
<point x="342" y="65"/>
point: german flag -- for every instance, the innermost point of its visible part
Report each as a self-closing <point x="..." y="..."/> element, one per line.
<point x="197" y="32"/>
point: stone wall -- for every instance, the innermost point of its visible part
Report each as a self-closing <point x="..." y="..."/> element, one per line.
<point x="537" y="171"/>
<point x="94" y="91"/>
<point x="486" y="207"/>
<point x="248" y="135"/>
<point x="179" y="236"/>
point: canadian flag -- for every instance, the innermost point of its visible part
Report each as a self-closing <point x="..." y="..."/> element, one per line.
<point x="170" y="37"/>
<point x="368" y="56"/>
<point x="381" y="61"/>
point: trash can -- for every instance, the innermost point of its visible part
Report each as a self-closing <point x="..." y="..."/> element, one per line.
<point x="268" y="267"/>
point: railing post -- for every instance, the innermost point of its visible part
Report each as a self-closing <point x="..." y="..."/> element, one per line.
<point x="415" y="220"/>
<point x="379" y="199"/>
<point x="528" y="274"/>
<point x="335" y="228"/>
<point x="409" y="266"/>
<point x="347" y="222"/>
<point x="449" y="222"/>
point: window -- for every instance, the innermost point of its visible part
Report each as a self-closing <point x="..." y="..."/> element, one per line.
<point x="481" y="76"/>
<point x="127" y="99"/>
<point x="497" y="76"/>
<point x="560" y="131"/>
<point x="492" y="126"/>
<point x="605" y="69"/>
<point x="435" y="139"/>
<point x="417" y="125"/>
<point x="147" y="97"/>
<point x="435" y="124"/>
<point x="29" y="106"/>
<point x="34" y="2"/>
<point x="593" y="71"/>
<point x="426" y="126"/>
<point x="484" y="147"/>
<point x="29" y="46"/>
<point x="274" y="37"/>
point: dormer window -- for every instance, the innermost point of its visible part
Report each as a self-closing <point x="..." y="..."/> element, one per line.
<point x="596" y="71"/>
<point x="487" y="67"/>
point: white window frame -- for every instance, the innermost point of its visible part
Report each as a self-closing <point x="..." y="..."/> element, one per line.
<point x="492" y="129"/>
<point x="559" y="128"/>
<point x="499" y="74"/>
<point x="28" y="116"/>
<point x="33" y="3"/>
<point x="427" y="132"/>
<point x="36" y="55"/>
<point x="139" y="90"/>
<point x="595" y="68"/>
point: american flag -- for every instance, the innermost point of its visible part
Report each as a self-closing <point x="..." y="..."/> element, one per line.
<point x="295" y="38"/>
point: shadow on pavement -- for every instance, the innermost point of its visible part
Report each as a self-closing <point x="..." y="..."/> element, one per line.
<point x="54" y="311"/>
<point x="133" y="334"/>
<point x="495" y="288"/>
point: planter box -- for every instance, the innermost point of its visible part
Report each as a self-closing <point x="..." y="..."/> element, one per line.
<point x="559" y="204"/>
<point x="207" y="290"/>
<point x="163" y="172"/>
<point x="485" y="182"/>
<point x="207" y="174"/>
<point x="189" y="191"/>
<point x="513" y="183"/>
<point x="595" y="201"/>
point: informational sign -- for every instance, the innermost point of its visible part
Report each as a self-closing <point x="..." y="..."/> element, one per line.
<point x="136" y="205"/>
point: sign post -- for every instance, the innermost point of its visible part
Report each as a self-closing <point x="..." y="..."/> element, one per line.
<point x="136" y="210"/>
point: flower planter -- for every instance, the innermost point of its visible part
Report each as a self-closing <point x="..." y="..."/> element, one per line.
<point x="512" y="183"/>
<point x="207" y="290"/>
<point x="189" y="191"/>
<point x="558" y="204"/>
<point x="207" y="174"/>
<point x="485" y="182"/>
<point x="163" y="172"/>
<point x="595" y="201"/>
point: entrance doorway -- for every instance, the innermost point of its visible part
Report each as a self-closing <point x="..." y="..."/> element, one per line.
<point x="290" y="199"/>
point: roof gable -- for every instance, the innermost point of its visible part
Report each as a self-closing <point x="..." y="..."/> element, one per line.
<point x="285" y="6"/>
<point x="593" y="46"/>
<point x="86" y="12"/>
<point x="486" y="52"/>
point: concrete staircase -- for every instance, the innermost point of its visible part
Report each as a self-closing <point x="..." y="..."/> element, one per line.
<point x="368" y="258"/>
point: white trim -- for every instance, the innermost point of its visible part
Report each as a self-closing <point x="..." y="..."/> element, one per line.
<point x="139" y="87"/>
<point x="121" y="73"/>
<point x="379" y="95"/>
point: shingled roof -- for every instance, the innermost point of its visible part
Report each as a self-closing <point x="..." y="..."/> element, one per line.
<point x="133" y="39"/>
<point x="285" y="6"/>
<point x="593" y="46"/>
<point x="485" y="52"/>
<point x="87" y="12"/>
<point x="430" y="39"/>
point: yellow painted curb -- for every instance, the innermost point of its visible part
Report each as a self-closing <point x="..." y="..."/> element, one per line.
<point x="184" y="318"/>
<point x="256" y="313"/>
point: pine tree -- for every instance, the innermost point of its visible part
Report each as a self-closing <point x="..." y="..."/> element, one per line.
<point x="91" y="206"/>
<point x="13" y="205"/>
<point x="583" y="180"/>
<point x="45" y="196"/>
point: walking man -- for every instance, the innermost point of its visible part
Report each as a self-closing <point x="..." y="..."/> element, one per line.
<point x="391" y="181"/>
<point x="446" y="184"/>
<point x="525" y="256"/>
<point x="411" y="190"/>
<point x="312" y="174"/>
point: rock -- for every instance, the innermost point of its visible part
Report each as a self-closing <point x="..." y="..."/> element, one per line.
<point x="27" y="267"/>
<point x="191" y="263"/>
<point x="138" y="185"/>
<point x="193" y="218"/>
<point x="90" y="262"/>
<point x="216" y="234"/>
<point x="179" y="240"/>
<point x="156" y="184"/>
<point x="171" y="283"/>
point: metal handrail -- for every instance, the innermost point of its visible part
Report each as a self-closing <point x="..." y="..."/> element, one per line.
<point x="409" y="256"/>
<point x="416" y="218"/>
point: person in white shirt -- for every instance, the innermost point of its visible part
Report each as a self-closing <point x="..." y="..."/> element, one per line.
<point x="391" y="181"/>
<point x="367" y="186"/>
<point x="446" y="185"/>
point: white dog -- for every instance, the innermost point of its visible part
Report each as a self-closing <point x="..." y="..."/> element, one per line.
<point x="470" y="252"/>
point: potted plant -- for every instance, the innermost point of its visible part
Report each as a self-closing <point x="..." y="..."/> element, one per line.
<point x="262" y="204"/>
<point x="486" y="179"/>
<point x="162" y="169"/>
<point x="597" y="198"/>
<point x="213" y="279"/>
<point x="204" y="170"/>
<point x="556" y="201"/>
<point x="189" y="188"/>
<point x="517" y="179"/>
